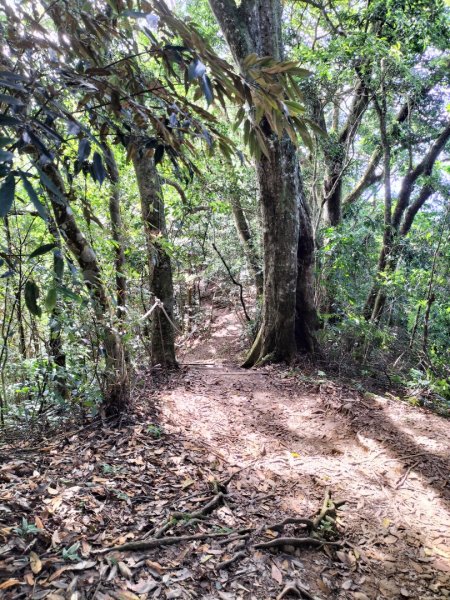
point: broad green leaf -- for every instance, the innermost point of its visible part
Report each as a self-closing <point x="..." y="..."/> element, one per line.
<point x="50" y="298"/>
<point x="31" y="298"/>
<point x="42" y="250"/>
<point x="42" y="211"/>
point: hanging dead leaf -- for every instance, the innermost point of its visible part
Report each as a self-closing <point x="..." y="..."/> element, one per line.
<point x="35" y="563"/>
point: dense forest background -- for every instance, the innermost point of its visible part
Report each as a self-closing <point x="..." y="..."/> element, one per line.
<point x="289" y="161"/>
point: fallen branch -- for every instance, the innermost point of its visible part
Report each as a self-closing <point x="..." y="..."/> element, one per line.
<point x="157" y="542"/>
<point x="296" y="542"/>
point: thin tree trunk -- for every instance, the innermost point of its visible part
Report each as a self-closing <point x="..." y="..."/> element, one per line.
<point x="116" y="230"/>
<point x="57" y="353"/>
<point x="159" y="264"/>
<point x="379" y="296"/>
<point x="401" y="221"/>
<point x="116" y="384"/>
<point x="245" y="234"/>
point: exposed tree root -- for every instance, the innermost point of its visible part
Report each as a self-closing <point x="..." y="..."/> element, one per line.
<point x="296" y="588"/>
<point x="165" y="541"/>
<point x="191" y="517"/>
<point x="292" y="521"/>
<point x="326" y="514"/>
<point x="296" y="542"/>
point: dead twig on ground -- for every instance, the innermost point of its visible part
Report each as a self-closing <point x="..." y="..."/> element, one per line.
<point x="404" y="477"/>
<point x="230" y="561"/>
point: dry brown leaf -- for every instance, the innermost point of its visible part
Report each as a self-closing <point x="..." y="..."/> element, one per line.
<point x="35" y="563"/>
<point x="347" y="584"/>
<point x="390" y="539"/>
<point x="124" y="595"/>
<point x="9" y="583"/>
<point x="124" y="570"/>
<point x="38" y="522"/>
<point x="143" y="586"/>
<point x="277" y="574"/>
<point x="56" y="538"/>
<point x="154" y="566"/>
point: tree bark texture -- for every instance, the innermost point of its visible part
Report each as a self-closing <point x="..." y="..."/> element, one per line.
<point x="116" y="383"/>
<point x="159" y="264"/>
<point x="255" y="26"/>
<point x="116" y="230"/>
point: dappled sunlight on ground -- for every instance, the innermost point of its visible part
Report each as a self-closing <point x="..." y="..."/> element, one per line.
<point x="388" y="460"/>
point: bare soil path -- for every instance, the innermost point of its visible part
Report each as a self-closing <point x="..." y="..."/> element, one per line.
<point x="389" y="461"/>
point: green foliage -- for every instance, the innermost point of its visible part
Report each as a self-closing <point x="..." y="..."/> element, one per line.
<point x="25" y="529"/>
<point x="71" y="554"/>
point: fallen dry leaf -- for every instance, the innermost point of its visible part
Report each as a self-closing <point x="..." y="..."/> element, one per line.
<point x="277" y="574"/>
<point x="9" y="583"/>
<point x="35" y="563"/>
<point x="124" y="570"/>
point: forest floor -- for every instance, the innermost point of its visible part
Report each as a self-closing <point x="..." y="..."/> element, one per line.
<point x="225" y="458"/>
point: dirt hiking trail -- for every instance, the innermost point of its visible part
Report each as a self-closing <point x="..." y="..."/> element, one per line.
<point x="241" y="484"/>
<point x="388" y="461"/>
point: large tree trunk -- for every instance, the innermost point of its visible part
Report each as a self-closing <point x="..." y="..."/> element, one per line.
<point x="279" y="194"/>
<point x="116" y="384"/>
<point x="255" y="26"/>
<point x="245" y="234"/>
<point x="306" y="319"/>
<point x="159" y="264"/>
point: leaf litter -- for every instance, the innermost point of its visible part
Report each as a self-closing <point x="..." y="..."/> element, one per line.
<point x="255" y="486"/>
